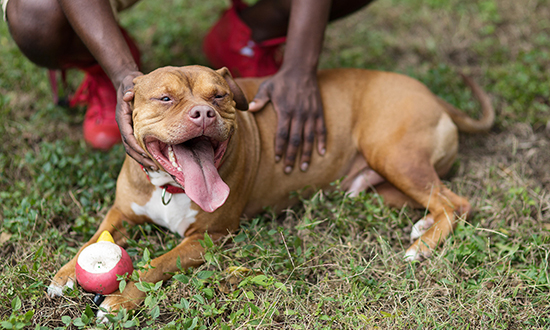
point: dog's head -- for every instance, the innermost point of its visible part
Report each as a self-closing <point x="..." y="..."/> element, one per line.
<point x="184" y="118"/>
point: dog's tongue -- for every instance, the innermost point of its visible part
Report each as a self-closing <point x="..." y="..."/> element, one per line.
<point x="203" y="184"/>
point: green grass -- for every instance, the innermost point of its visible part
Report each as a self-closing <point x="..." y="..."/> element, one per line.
<point x="331" y="262"/>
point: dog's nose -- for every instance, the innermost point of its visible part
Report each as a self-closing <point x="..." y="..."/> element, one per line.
<point x="202" y="115"/>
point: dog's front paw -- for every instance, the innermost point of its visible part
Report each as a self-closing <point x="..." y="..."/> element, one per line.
<point x="55" y="289"/>
<point x="65" y="277"/>
<point x="129" y="299"/>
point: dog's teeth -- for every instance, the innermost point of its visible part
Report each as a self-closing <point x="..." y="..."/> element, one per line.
<point x="171" y="154"/>
<point x="172" y="158"/>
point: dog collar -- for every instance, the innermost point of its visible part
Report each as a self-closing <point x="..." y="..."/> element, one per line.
<point x="171" y="189"/>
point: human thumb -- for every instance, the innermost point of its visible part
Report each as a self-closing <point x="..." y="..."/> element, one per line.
<point x="260" y="100"/>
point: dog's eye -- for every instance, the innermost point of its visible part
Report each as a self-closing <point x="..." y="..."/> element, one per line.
<point x="220" y="96"/>
<point x="165" y="99"/>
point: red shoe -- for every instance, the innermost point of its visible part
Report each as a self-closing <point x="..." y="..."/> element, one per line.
<point x="100" y="127"/>
<point x="97" y="92"/>
<point x="229" y="44"/>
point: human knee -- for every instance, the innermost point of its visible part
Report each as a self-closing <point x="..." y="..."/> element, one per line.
<point x="39" y="29"/>
<point x="343" y="8"/>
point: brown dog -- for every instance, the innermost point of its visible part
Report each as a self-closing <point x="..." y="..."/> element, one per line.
<point x="384" y="129"/>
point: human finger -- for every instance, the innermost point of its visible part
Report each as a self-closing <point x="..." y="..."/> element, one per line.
<point x="307" y="145"/>
<point x="294" y="142"/>
<point x="321" y="133"/>
<point x="262" y="97"/>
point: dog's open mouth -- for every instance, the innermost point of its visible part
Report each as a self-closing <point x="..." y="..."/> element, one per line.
<point x="193" y="164"/>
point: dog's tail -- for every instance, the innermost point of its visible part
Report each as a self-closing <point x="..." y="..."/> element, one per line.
<point x="464" y="122"/>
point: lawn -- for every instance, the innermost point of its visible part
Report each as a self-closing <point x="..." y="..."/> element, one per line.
<point x="331" y="262"/>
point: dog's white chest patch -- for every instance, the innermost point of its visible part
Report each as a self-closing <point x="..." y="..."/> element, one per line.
<point x="176" y="216"/>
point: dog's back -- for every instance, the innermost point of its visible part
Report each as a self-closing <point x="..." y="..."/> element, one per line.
<point x="379" y="108"/>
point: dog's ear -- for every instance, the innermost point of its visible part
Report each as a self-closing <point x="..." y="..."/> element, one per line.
<point x="136" y="81"/>
<point x="238" y="95"/>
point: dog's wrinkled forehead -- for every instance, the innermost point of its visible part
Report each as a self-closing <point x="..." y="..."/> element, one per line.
<point x="196" y="78"/>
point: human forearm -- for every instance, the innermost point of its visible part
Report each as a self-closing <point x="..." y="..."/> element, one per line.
<point x="95" y="24"/>
<point x="308" y="20"/>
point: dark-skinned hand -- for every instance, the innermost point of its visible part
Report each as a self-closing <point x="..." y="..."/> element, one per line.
<point x="125" y="95"/>
<point x="296" y="99"/>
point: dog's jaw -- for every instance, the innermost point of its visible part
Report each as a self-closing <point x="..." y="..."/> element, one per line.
<point x="193" y="164"/>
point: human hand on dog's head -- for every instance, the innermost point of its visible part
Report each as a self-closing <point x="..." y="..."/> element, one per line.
<point x="125" y="96"/>
<point x="184" y="117"/>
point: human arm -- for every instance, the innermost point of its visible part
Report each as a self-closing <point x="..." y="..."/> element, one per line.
<point x="95" y="24"/>
<point x="294" y="90"/>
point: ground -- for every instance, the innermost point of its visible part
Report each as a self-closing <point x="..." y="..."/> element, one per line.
<point x="331" y="262"/>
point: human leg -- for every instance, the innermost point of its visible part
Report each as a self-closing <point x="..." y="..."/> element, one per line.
<point x="269" y="18"/>
<point x="248" y="40"/>
<point x="44" y="35"/>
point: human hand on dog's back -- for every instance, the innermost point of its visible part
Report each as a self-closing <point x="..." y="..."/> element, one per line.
<point x="294" y="90"/>
<point x="296" y="99"/>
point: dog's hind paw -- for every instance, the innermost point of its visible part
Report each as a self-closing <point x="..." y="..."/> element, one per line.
<point x="418" y="251"/>
<point x="411" y="255"/>
<point x="56" y="290"/>
<point x="421" y="226"/>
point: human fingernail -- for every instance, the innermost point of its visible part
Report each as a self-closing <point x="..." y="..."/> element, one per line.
<point x="304" y="166"/>
<point x="288" y="169"/>
<point x="277" y="158"/>
<point x="153" y="168"/>
<point x="323" y="151"/>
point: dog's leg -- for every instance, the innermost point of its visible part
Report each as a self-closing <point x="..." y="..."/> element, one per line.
<point x="393" y="197"/>
<point x="190" y="253"/>
<point x="433" y="229"/>
<point x="436" y="226"/>
<point x="66" y="275"/>
<point x="416" y="177"/>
